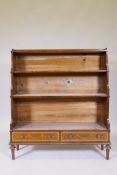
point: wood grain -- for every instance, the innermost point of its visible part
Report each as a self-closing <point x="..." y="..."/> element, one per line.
<point x="59" y="84"/>
<point x="57" y="63"/>
<point x="58" y="111"/>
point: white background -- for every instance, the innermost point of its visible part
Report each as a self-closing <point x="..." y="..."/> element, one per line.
<point x="35" y="24"/>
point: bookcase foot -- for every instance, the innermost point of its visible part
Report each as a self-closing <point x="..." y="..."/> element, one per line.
<point x="17" y="146"/>
<point x="107" y="151"/>
<point x="102" y="147"/>
<point x="12" y="147"/>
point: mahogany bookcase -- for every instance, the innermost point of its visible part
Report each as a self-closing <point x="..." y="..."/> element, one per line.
<point x="59" y="96"/>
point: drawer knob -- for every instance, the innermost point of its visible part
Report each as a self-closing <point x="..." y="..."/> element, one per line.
<point x="49" y="136"/>
<point x="71" y="136"/>
<point x="22" y="137"/>
<point x="98" y="136"/>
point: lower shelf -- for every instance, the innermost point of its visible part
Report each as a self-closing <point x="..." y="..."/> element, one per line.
<point x="59" y="126"/>
<point x="59" y="132"/>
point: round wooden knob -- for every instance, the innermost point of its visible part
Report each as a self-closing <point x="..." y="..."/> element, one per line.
<point x="71" y="136"/>
<point x="22" y="137"/>
<point x="98" y="136"/>
<point x="49" y="136"/>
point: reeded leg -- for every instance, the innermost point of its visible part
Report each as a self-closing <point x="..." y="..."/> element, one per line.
<point x="12" y="147"/>
<point x="17" y="146"/>
<point x="107" y="151"/>
<point x="102" y="146"/>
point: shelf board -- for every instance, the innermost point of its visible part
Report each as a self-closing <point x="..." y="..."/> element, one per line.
<point x="59" y="126"/>
<point x="60" y="72"/>
<point x="59" y="95"/>
<point x="59" y="51"/>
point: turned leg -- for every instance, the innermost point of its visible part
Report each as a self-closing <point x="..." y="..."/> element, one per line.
<point x="102" y="146"/>
<point x="107" y="151"/>
<point x="17" y="146"/>
<point x="12" y="147"/>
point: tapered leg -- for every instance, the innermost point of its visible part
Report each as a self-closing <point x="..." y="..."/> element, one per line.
<point x="17" y="147"/>
<point x="12" y="147"/>
<point x="107" y="151"/>
<point x="102" y="146"/>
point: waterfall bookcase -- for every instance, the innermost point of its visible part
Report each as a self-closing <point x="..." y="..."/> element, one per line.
<point x="59" y="96"/>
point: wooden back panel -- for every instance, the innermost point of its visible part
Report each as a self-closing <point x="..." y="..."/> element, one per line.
<point x="59" y="110"/>
<point x="59" y="84"/>
<point x="53" y="63"/>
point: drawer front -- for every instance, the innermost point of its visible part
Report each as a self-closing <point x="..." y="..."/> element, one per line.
<point x="83" y="136"/>
<point x="35" y="137"/>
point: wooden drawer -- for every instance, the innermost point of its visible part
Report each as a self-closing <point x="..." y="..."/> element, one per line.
<point x="35" y="137"/>
<point x="84" y="136"/>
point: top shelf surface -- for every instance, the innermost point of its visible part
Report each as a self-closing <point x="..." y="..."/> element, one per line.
<point x="59" y="61"/>
<point x="58" y="51"/>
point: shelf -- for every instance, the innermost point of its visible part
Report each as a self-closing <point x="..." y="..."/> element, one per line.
<point x="60" y="51"/>
<point x="35" y="96"/>
<point x="59" y="126"/>
<point x="61" y="72"/>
